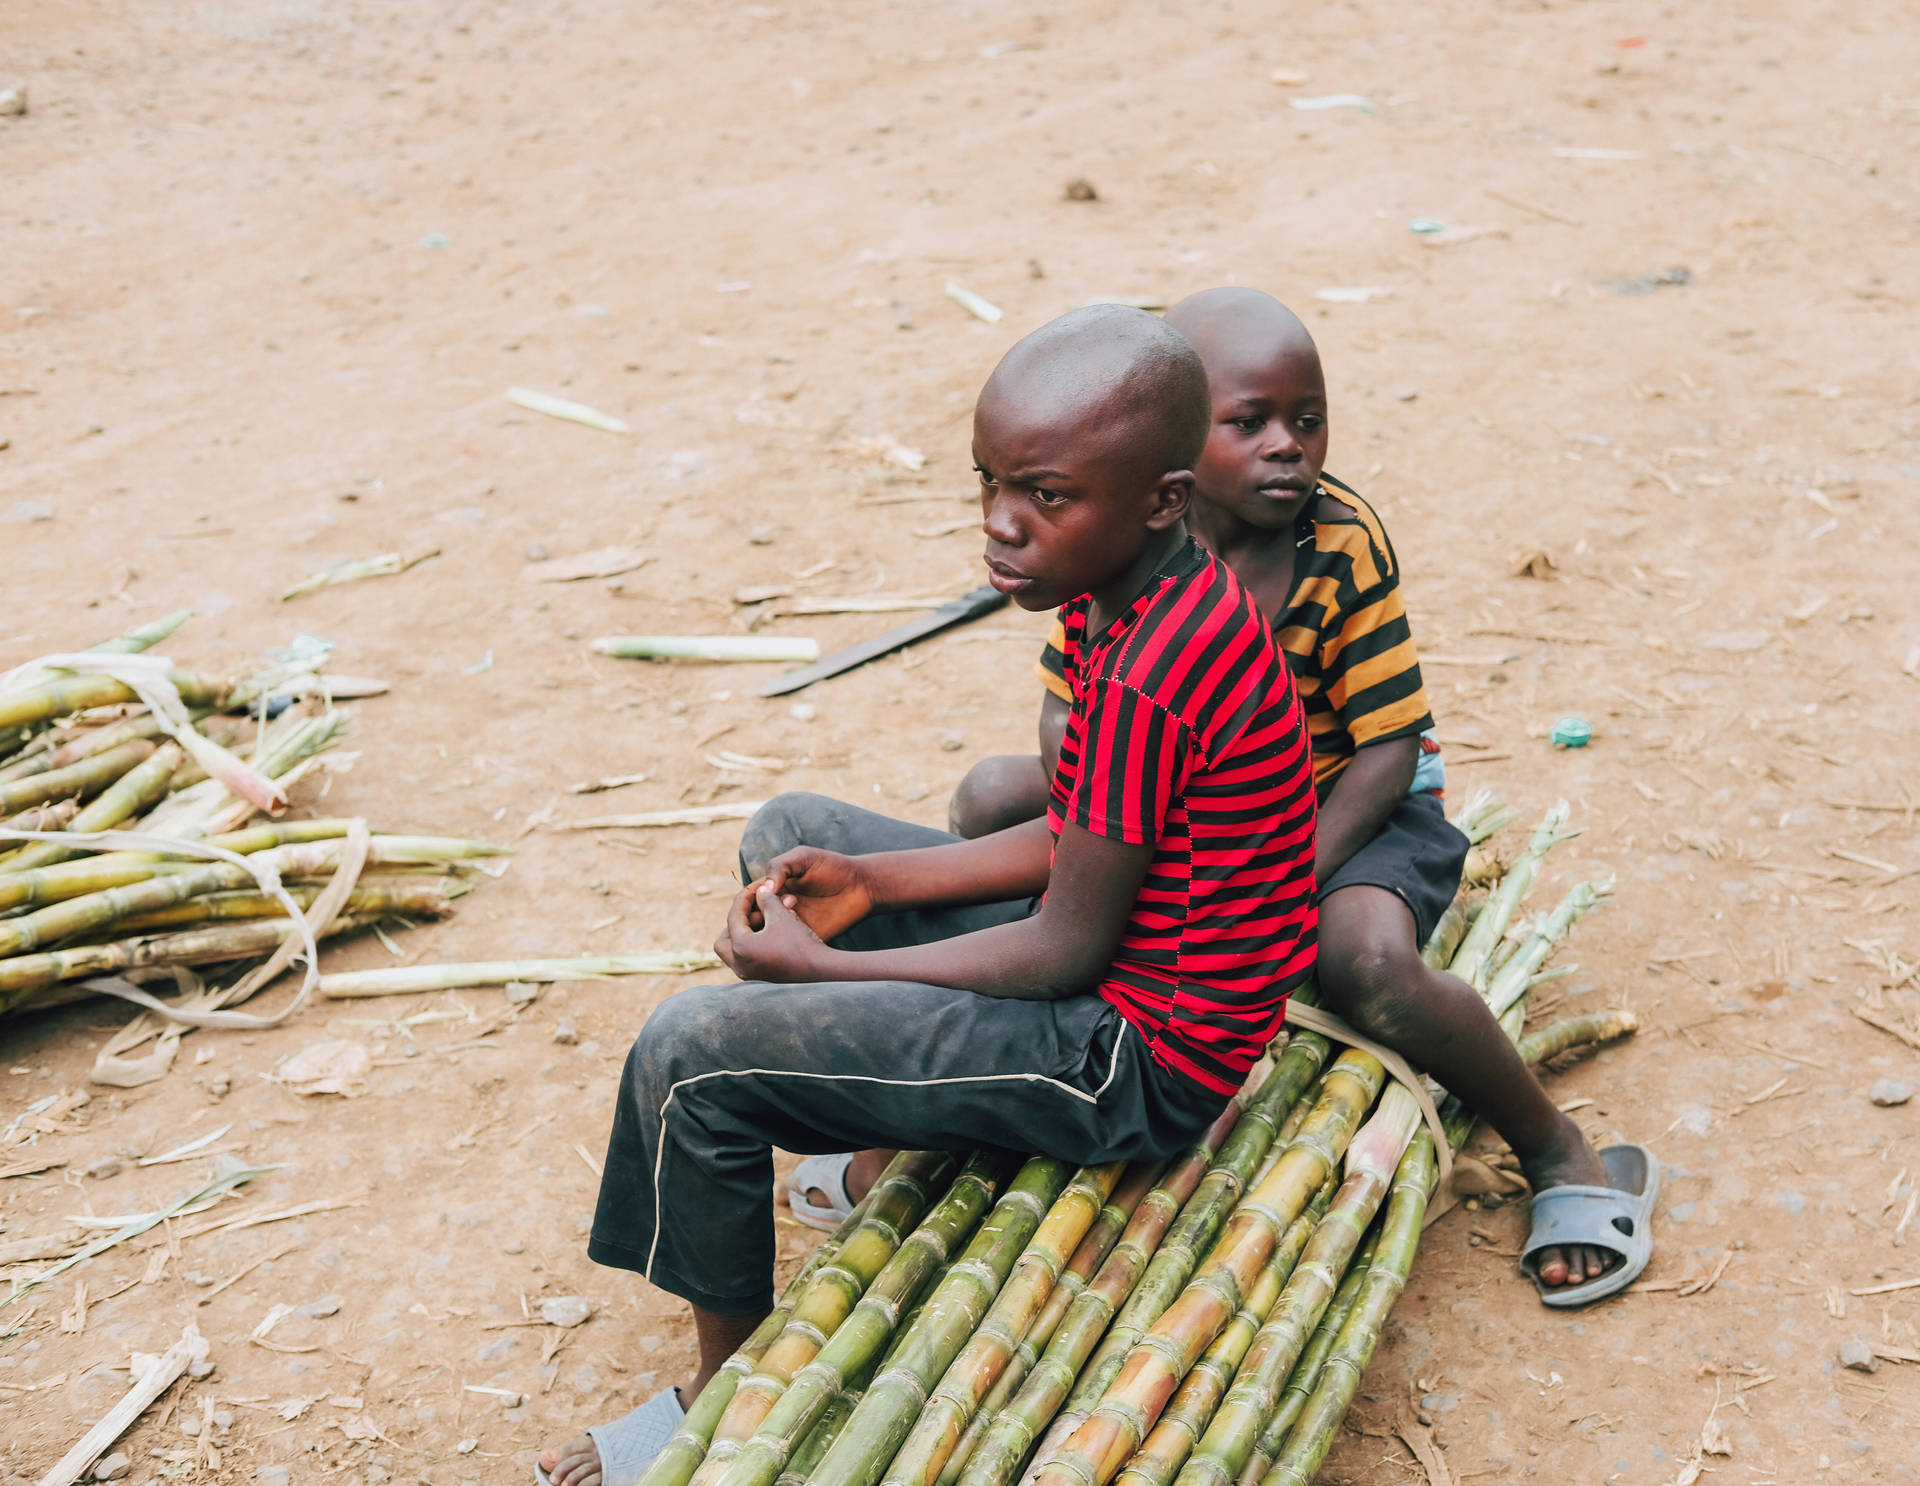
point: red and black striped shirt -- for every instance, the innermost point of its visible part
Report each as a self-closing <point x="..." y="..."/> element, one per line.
<point x="1186" y="734"/>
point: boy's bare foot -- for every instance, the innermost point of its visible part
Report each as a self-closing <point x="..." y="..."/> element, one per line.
<point x="634" y="1441"/>
<point x="1565" y="1160"/>
<point x="576" y="1463"/>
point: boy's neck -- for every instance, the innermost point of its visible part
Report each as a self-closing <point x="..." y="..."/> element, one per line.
<point x="1227" y="535"/>
<point x="1111" y="600"/>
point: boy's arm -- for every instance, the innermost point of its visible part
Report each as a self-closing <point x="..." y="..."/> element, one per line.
<point x="1062" y="950"/>
<point x="1362" y="798"/>
<point x="1053" y="728"/>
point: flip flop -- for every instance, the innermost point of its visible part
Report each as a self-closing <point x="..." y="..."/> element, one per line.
<point x="628" y="1446"/>
<point x="1617" y="1217"/>
<point x="823" y="1174"/>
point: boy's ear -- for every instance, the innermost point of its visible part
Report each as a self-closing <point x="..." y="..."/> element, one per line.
<point x="1170" y="499"/>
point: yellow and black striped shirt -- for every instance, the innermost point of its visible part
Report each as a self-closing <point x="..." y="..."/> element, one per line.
<point x="1344" y="632"/>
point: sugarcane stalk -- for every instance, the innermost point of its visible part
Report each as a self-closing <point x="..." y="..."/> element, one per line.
<point x="1187" y="1415"/>
<point x="1140" y="1179"/>
<point x="23" y="977"/>
<point x="402" y="980"/>
<point x="67" y="880"/>
<point x="134" y="791"/>
<point x="1096" y="1450"/>
<point x="54" y="817"/>
<point x="1300" y="1459"/>
<point x="1306" y="1371"/>
<point x="87" y="777"/>
<point x="1009" y="1439"/>
<point x="195" y="810"/>
<point x="27" y="750"/>
<point x="1507" y="987"/>
<point x="1199" y="1223"/>
<point x="426" y="898"/>
<point x="145" y="637"/>
<point x="1577" y="1031"/>
<point x="677" y="1461"/>
<point x="964" y="1386"/>
<point x="881" y="1422"/>
<point x="1445" y="939"/>
<point x="58" y="697"/>
<point x="1470" y="960"/>
<point x="829" y="1299"/>
<point x="827" y="1344"/>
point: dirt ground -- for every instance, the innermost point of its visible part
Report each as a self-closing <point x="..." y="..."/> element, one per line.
<point x="270" y="266"/>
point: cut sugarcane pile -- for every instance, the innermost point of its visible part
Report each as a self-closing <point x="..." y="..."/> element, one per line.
<point x="116" y="741"/>
<point x="1202" y="1323"/>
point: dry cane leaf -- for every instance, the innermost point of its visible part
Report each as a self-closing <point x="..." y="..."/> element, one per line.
<point x="601" y="562"/>
<point x="337" y="1067"/>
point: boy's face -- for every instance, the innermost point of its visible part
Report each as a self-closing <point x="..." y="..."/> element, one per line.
<point x="1066" y="503"/>
<point x="1268" y="442"/>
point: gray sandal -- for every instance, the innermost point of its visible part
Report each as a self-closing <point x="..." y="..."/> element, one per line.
<point x="628" y="1446"/>
<point x="1617" y="1217"/>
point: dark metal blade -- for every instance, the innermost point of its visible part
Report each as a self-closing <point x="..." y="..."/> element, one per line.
<point x="969" y="606"/>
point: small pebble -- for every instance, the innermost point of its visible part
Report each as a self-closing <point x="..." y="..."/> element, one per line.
<point x="513" y="1246"/>
<point x="1081" y="189"/>
<point x="761" y="536"/>
<point x="1859" y="1356"/>
<point x="13" y="100"/>
<point x="220" y="1087"/>
<point x="521" y="992"/>
<point x="590" y="1048"/>
<point x="565" y="1034"/>
<point x="28" y="512"/>
<point x="953" y="742"/>
<point x="468" y="1445"/>
<point x="191" y="1426"/>
<point x="101" y="1170"/>
<point x="565" y="1310"/>
<point x="803" y="712"/>
<point x="321" y="1309"/>
<point x="1888" y="1092"/>
<point x="1407" y="394"/>
<point x="273" y="1475"/>
<point x="199" y="1368"/>
<point x="222" y="1418"/>
<point x="112" y="1468"/>
<point x="535" y="552"/>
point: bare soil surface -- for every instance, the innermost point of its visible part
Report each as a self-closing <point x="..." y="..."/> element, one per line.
<point x="269" y="267"/>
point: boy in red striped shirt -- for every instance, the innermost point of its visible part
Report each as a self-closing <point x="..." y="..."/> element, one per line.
<point x="1094" y="985"/>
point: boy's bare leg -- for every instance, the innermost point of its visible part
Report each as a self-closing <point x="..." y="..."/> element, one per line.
<point x="577" y="1462"/>
<point x="1371" y="974"/>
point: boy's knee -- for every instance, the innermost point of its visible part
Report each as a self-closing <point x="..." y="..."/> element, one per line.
<point x="681" y="1039"/>
<point x="996" y="793"/>
<point x="784" y="822"/>
<point x="1374" y="985"/>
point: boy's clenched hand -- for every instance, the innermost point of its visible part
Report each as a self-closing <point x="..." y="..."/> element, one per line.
<point x="828" y="891"/>
<point x="765" y="940"/>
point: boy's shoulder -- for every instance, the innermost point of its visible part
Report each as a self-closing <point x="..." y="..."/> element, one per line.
<point x="1201" y="636"/>
<point x="1347" y="530"/>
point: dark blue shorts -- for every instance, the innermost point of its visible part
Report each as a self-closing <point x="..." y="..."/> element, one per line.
<point x="1417" y="855"/>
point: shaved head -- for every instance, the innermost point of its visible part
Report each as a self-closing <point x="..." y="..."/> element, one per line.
<point x="1116" y="371"/>
<point x="1232" y="324"/>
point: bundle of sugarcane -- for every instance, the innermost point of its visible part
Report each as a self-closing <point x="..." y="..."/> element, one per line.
<point x="1201" y="1323"/>
<point x="129" y="845"/>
